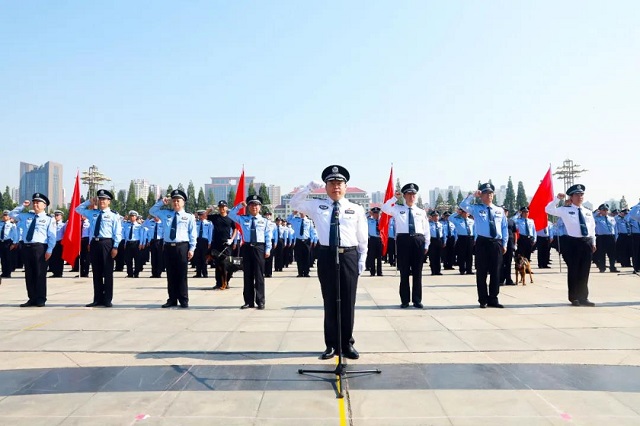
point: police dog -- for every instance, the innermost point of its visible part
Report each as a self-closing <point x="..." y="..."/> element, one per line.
<point x="522" y="267"/>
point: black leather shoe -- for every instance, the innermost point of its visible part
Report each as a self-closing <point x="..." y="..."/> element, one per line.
<point x="261" y="307"/>
<point x="575" y="303"/>
<point x="92" y="304"/>
<point x="170" y="304"/>
<point x="328" y="353"/>
<point x="483" y="305"/>
<point x="418" y="305"/>
<point x="184" y="305"/>
<point x="404" y="305"/>
<point x="27" y="304"/>
<point x="246" y="306"/>
<point x="586" y="302"/>
<point x="350" y="352"/>
<point x="614" y="270"/>
<point x="495" y="305"/>
<point x="108" y="305"/>
<point x="39" y="305"/>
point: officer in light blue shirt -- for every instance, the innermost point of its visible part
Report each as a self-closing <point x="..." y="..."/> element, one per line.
<point x="38" y="242"/>
<point x="105" y="232"/>
<point x="437" y="242"/>
<point x="180" y="235"/>
<point x="449" y="230"/>
<point x="203" y="244"/>
<point x="301" y="225"/>
<point x="256" y="247"/>
<point x="153" y="240"/>
<point x="391" y="242"/>
<point x="56" y="264"/>
<point x="527" y="234"/>
<point x="8" y="241"/>
<point x="374" y="243"/>
<point x="491" y="242"/>
<point x="606" y="236"/>
<point x="133" y="234"/>
<point x="634" y="224"/>
<point x="273" y="235"/>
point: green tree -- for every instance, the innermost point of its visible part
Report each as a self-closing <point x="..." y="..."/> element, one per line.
<point x="510" y="196"/>
<point x="190" y="205"/>
<point x="251" y="191"/>
<point x="201" y="203"/>
<point x="131" y="197"/>
<point x="180" y="187"/>
<point x="151" y="200"/>
<point x="439" y="201"/>
<point x="7" y="202"/>
<point x="231" y="197"/>
<point x="400" y="200"/>
<point x="623" y="203"/>
<point x="211" y="199"/>
<point x="460" y="198"/>
<point x="450" y="200"/>
<point x="419" y="202"/>
<point x="262" y="193"/>
<point x="120" y="203"/>
<point x="521" y="197"/>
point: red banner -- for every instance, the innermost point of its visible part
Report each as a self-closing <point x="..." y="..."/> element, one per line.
<point x="383" y="224"/>
<point x="542" y="197"/>
<point x="73" y="232"/>
<point x="240" y="197"/>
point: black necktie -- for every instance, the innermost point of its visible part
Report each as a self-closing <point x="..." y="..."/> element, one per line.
<point x="155" y="232"/>
<point x="174" y="227"/>
<point x="96" y="230"/>
<point x="412" y="224"/>
<point x="334" y="238"/>
<point x="32" y="229"/>
<point x="526" y="227"/>
<point x="492" y="224"/>
<point x="301" y="227"/>
<point x="377" y="228"/>
<point x="200" y="231"/>
<point x="2" y="234"/>
<point x="466" y="224"/>
<point x="254" y="234"/>
<point x="131" y="232"/>
<point x="583" y="225"/>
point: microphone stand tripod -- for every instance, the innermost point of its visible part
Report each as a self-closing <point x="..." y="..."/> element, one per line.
<point x="340" y="371"/>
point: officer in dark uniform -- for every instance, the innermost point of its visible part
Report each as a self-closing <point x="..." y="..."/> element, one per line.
<point x="180" y="236"/>
<point x="578" y="245"/>
<point x="507" y="259"/>
<point x="374" y="252"/>
<point x="37" y="246"/>
<point x="491" y="243"/>
<point x="224" y="232"/>
<point x="342" y="232"/>
<point x="106" y="233"/>
<point x="526" y="233"/>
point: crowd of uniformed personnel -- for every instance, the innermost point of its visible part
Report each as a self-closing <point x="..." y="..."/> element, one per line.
<point x="478" y="234"/>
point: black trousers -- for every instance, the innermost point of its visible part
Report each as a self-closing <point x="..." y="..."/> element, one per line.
<point x="200" y="257"/>
<point x="119" y="260"/>
<point x="374" y="256"/>
<point x="435" y="254"/>
<point x="635" y="251"/>
<point x="488" y="262"/>
<point x="220" y="247"/>
<point x="391" y="251"/>
<point x="268" y="263"/>
<point x="56" y="264"/>
<point x="525" y="247"/>
<point x="175" y="260"/>
<point x="448" y="253"/>
<point x="507" y="259"/>
<point x="278" y="256"/>
<point x="35" y="271"/>
<point x="5" y="258"/>
<point x="543" y="245"/>
<point x="132" y="258"/>
<point x="328" y="275"/>
<point x="410" y="262"/>
<point x="464" y="253"/>
<point x="253" y="271"/>
<point x="157" y="257"/>
<point x="577" y="253"/>
<point x="301" y="251"/>
<point x="85" y="260"/>
<point x="102" y="265"/>
<point x="606" y="247"/>
<point x="623" y="249"/>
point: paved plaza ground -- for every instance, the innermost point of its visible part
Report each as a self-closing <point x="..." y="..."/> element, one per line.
<point x="539" y="361"/>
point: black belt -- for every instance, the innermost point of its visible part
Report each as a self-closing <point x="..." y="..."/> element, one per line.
<point x="409" y="235"/>
<point x="177" y="244"/>
<point x="589" y="239"/>
<point x="340" y="249"/>
<point x="480" y="237"/>
<point x="100" y="238"/>
<point x="33" y="244"/>
<point x="255" y="244"/>
<point x="374" y="236"/>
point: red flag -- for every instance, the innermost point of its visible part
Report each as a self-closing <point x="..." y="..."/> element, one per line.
<point x="542" y="197"/>
<point x="240" y="198"/>
<point x="383" y="224"/>
<point x="73" y="231"/>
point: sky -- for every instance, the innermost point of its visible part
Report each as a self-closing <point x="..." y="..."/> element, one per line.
<point x="449" y="93"/>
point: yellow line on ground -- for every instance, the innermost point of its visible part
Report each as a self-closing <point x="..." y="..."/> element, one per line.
<point x="42" y="324"/>
<point x="341" y="405"/>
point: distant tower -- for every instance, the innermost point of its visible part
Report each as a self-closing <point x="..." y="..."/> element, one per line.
<point x="568" y="172"/>
<point x="93" y="178"/>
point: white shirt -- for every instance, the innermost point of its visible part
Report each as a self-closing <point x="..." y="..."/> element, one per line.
<point x="401" y="215"/>
<point x="571" y="219"/>
<point x="353" y="222"/>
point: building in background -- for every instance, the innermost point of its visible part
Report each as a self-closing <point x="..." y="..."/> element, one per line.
<point x="46" y="178"/>
<point x="221" y="185"/>
<point x="377" y="197"/>
<point x="274" y="194"/>
<point x="354" y="194"/>
<point x="141" y="187"/>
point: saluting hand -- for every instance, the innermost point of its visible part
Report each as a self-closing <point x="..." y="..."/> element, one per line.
<point x="477" y="193"/>
<point x="561" y="195"/>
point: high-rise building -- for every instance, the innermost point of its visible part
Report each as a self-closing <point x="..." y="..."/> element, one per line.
<point x="377" y="197"/>
<point x="46" y="178"/>
<point x="141" y="188"/>
<point x="353" y="194"/>
<point x="221" y="185"/>
<point x="274" y="194"/>
<point x="155" y="190"/>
